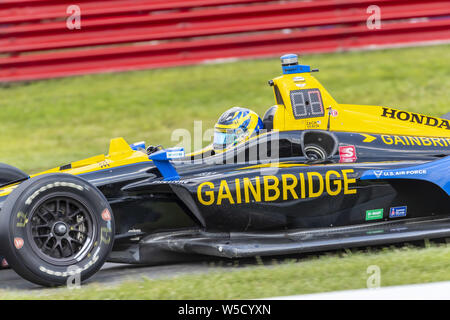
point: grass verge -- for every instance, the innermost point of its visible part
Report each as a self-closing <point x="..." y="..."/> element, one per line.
<point x="336" y="271"/>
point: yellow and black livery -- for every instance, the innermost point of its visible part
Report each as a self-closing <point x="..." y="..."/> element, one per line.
<point x="316" y="175"/>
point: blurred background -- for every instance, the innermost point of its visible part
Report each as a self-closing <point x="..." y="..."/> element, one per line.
<point x="75" y="74"/>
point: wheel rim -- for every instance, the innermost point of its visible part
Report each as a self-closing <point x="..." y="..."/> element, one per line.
<point x="62" y="229"/>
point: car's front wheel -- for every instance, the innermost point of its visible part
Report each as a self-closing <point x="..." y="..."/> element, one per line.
<point x="55" y="229"/>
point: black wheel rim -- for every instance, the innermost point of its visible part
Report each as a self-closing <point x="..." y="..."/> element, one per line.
<point x="62" y="229"/>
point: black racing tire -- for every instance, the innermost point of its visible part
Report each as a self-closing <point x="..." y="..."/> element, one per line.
<point x="9" y="174"/>
<point x="315" y="152"/>
<point x="56" y="227"/>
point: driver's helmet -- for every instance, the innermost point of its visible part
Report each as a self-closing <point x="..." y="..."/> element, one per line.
<point x="234" y="126"/>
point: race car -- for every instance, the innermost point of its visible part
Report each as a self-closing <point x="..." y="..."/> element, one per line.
<point x="311" y="175"/>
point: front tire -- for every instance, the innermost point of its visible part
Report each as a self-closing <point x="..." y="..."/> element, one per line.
<point x="55" y="228"/>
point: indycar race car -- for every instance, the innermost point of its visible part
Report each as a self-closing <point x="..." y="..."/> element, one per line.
<point x="317" y="175"/>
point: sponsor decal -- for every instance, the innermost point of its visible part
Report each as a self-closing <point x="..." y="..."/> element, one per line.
<point x="175" y="154"/>
<point x="333" y="112"/>
<point x="170" y="182"/>
<point x="397" y="212"/>
<point x="71" y="271"/>
<point x="134" y="231"/>
<point x="50" y="186"/>
<point x="312" y="124"/>
<point x="368" y="138"/>
<point x="105" y="234"/>
<point x="18" y="243"/>
<point x="104" y="164"/>
<point x="106" y="215"/>
<point x="393" y="173"/>
<point x="415" y="141"/>
<point x="347" y="154"/>
<point x="21" y="220"/>
<point x="272" y="188"/>
<point x="416" y="118"/>
<point x="374" y="214"/>
<point x="301" y="79"/>
<point x="377" y="173"/>
<point x="411" y="141"/>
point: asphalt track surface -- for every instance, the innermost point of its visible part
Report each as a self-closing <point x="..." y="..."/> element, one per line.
<point x="113" y="273"/>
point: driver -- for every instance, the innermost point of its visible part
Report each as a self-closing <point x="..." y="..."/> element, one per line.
<point x="234" y="126"/>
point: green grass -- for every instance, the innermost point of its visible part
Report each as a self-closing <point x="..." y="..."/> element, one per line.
<point x="311" y="275"/>
<point x="49" y="123"/>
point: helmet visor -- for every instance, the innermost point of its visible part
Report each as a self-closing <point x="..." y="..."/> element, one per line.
<point x="224" y="139"/>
